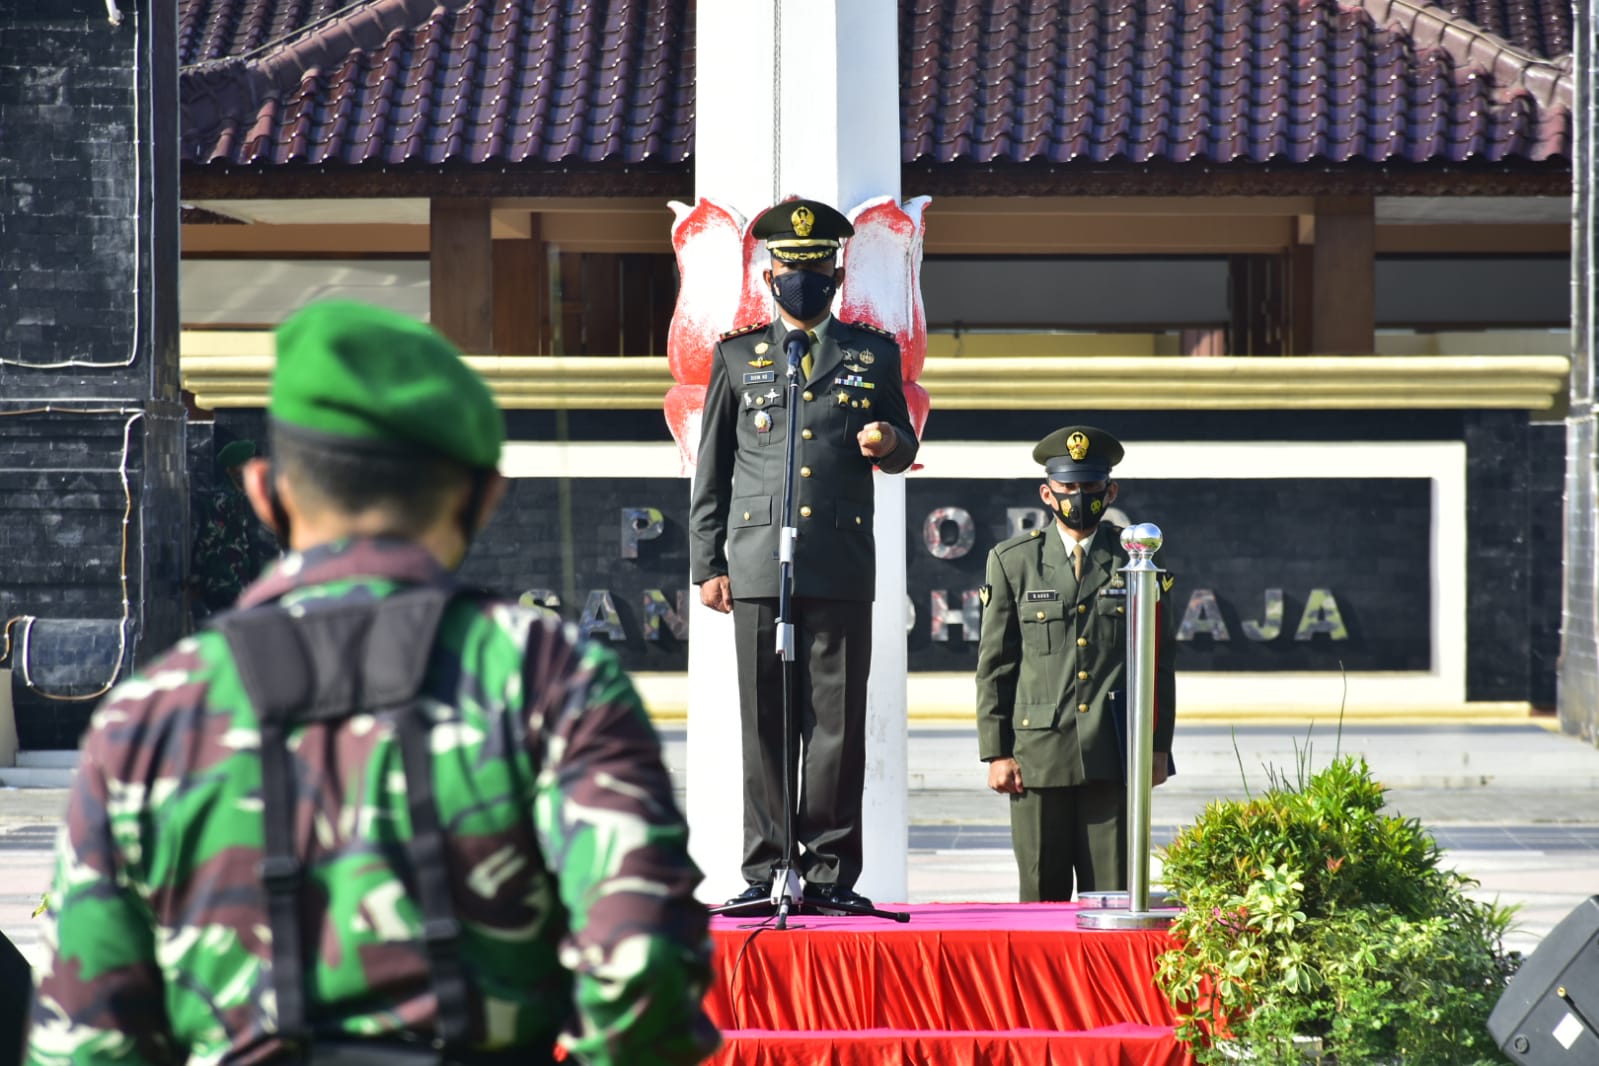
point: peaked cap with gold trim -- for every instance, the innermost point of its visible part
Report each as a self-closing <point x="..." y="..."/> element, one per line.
<point x="1078" y="454"/>
<point x="802" y="231"/>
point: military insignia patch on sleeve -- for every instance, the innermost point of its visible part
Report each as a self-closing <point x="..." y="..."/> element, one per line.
<point x="985" y="594"/>
<point x="1167" y="580"/>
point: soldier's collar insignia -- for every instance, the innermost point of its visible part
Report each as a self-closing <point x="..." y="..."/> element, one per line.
<point x="803" y="220"/>
<point x="1077" y="446"/>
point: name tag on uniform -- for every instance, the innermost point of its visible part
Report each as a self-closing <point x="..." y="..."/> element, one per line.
<point x="1047" y="594"/>
<point x="756" y="379"/>
<point x="1112" y="590"/>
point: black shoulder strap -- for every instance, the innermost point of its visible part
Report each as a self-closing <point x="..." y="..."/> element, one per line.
<point x="324" y="666"/>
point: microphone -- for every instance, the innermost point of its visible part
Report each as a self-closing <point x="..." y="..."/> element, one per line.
<point x="796" y="344"/>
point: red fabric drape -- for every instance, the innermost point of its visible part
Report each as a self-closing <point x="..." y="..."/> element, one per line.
<point x="961" y="967"/>
<point x="1127" y="1045"/>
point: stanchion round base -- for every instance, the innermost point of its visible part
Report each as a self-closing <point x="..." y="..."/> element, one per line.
<point x="1121" y="899"/>
<point x="1119" y="920"/>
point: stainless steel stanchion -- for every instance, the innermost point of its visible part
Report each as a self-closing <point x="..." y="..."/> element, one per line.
<point x="1131" y="909"/>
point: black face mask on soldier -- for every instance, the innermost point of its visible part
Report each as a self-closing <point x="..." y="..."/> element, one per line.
<point x="1080" y="510"/>
<point x="804" y="294"/>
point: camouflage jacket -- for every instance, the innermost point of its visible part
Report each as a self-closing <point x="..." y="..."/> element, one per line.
<point x="157" y="939"/>
<point x="230" y="545"/>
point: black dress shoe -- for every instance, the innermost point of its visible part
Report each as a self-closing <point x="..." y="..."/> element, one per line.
<point x="751" y="894"/>
<point x="821" y="896"/>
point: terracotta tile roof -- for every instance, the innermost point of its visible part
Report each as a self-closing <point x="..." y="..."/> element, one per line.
<point x="436" y="81"/>
<point x="982" y="81"/>
<point x="1178" y="80"/>
<point x="1542" y="27"/>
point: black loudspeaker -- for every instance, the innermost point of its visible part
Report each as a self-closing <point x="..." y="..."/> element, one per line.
<point x="1549" y="1013"/>
<point x="16" y="989"/>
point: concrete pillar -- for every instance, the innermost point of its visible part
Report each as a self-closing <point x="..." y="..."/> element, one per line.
<point x="798" y="97"/>
<point x="92" y="458"/>
<point x="1578" y="693"/>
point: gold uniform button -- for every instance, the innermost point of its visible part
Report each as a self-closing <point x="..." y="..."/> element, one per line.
<point x="1082" y="708"/>
<point x="1082" y="642"/>
<point x="805" y="512"/>
<point x="808" y="396"/>
<point x="746" y="516"/>
<point x="857" y="519"/>
<point x="1082" y="675"/>
<point x="1024" y="721"/>
<point x="1121" y="610"/>
<point x="1082" y="608"/>
<point x="805" y="471"/>
<point x="1038" y="532"/>
<point x="1040" y="616"/>
<point x="805" y="433"/>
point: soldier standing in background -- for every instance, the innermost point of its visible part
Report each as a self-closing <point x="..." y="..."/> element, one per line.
<point x="1052" y="678"/>
<point x="373" y="816"/>
<point x="852" y="415"/>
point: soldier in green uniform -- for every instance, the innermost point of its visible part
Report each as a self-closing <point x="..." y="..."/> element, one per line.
<point x="372" y="816"/>
<point x="851" y="414"/>
<point x="1052" y="678"/>
<point x="230" y="544"/>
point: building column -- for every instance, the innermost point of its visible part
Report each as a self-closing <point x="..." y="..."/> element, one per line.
<point x="93" y="473"/>
<point x="521" y="298"/>
<point x="1578" y="692"/>
<point x="796" y="98"/>
<point x="461" y="283"/>
<point x="1344" y="276"/>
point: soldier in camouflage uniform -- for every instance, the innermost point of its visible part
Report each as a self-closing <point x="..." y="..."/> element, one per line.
<point x="563" y="859"/>
<point x="230" y="544"/>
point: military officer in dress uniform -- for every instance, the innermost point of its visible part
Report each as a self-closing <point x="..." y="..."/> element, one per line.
<point x="1052" y="677"/>
<point x="851" y="415"/>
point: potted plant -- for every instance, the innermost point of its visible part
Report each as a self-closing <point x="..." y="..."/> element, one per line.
<point x="1317" y="927"/>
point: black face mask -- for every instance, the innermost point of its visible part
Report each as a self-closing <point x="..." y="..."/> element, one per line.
<point x="1080" y="510"/>
<point x="804" y="294"/>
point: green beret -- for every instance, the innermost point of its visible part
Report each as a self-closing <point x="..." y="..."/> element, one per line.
<point x="236" y="454"/>
<point x="364" y="374"/>
<point x="1078" y="454"/>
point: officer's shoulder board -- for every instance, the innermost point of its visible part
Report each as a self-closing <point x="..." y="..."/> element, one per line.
<point x="1032" y="536"/>
<point x="869" y="328"/>
<point x="740" y="331"/>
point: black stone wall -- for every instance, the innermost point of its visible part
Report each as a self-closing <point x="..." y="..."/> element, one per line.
<point x="92" y="463"/>
<point x="1237" y="537"/>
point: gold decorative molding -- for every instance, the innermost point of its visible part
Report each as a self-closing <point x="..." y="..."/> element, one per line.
<point x="232" y="368"/>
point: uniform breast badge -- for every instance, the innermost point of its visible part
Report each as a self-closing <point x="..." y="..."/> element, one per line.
<point x="763" y="422"/>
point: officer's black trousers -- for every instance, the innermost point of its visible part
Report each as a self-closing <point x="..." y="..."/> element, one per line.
<point x="833" y="655"/>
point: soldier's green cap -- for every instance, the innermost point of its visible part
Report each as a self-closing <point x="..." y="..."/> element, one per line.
<point x="1078" y="454"/>
<point x="375" y="378"/>
<point x="236" y="454"/>
<point x="798" y="231"/>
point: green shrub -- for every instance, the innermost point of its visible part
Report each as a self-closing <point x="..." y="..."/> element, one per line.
<point x="1311" y="913"/>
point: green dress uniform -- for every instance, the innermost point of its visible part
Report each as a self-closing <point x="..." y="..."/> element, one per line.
<point x="1051" y="693"/>
<point x="736" y="521"/>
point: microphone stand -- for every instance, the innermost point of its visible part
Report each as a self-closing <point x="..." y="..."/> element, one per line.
<point x="785" y="894"/>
